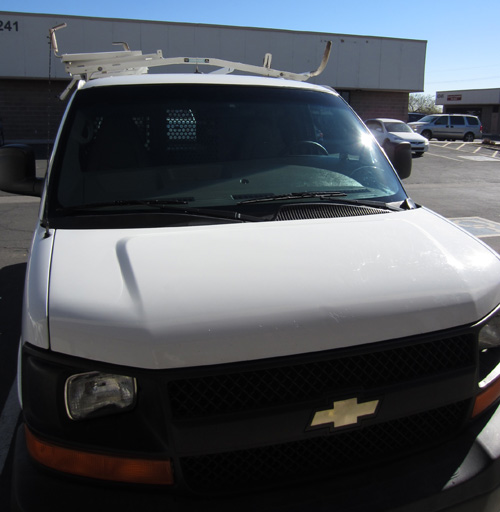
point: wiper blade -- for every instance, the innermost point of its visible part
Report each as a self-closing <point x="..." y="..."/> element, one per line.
<point x="168" y="206"/>
<point x="124" y="202"/>
<point x="337" y="197"/>
<point x="293" y="196"/>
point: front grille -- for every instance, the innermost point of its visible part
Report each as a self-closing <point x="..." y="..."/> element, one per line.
<point x="320" y="456"/>
<point x="386" y="365"/>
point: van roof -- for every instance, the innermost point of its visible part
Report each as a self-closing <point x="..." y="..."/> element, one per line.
<point x="197" y="78"/>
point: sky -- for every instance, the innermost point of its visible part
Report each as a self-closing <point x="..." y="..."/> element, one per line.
<point x="463" y="43"/>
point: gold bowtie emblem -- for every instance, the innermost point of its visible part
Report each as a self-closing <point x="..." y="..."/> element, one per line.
<point x="345" y="412"/>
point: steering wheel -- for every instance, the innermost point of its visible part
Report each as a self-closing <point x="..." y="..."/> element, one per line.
<point x="312" y="147"/>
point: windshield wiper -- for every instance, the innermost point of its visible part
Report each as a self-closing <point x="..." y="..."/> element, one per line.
<point x="124" y="202"/>
<point x="293" y="196"/>
<point x="325" y="196"/>
<point x="167" y="206"/>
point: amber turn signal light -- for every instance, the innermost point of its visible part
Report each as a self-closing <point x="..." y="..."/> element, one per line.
<point x="487" y="397"/>
<point x="95" y="465"/>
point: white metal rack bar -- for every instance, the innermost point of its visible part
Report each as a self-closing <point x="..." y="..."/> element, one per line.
<point x="88" y="66"/>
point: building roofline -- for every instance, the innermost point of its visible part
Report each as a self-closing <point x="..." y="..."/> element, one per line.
<point x="469" y="90"/>
<point x="186" y="24"/>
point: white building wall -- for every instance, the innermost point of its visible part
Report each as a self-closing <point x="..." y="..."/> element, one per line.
<point x="356" y="62"/>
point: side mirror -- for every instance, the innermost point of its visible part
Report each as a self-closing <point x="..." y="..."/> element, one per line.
<point x="18" y="171"/>
<point x="399" y="154"/>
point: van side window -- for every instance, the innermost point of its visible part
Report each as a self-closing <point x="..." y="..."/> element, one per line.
<point x="472" y="121"/>
<point x="457" y="120"/>
<point x="442" y="121"/>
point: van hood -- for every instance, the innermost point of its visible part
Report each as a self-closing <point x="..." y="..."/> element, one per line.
<point x="203" y="295"/>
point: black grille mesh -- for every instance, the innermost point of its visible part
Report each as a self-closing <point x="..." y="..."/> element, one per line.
<point x="260" y="388"/>
<point x="339" y="453"/>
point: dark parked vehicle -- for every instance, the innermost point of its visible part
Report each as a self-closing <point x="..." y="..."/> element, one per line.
<point x="415" y="116"/>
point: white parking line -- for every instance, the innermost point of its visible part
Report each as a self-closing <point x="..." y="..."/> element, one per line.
<point x="442" y="156"/>
<point x="8" y="421"/>
<point x="456" y="146"/>
<point x="480" y="158"/>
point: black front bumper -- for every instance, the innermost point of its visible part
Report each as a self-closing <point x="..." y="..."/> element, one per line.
<point x="461" y="475"/>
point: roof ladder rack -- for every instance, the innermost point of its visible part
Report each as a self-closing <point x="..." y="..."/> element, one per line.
<point x="88" y="66"/>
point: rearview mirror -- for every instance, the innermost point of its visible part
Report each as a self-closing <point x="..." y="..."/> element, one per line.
<point x="18" y="171"/>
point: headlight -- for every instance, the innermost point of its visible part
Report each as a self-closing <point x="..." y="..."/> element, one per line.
<point x="489" y="364"/>
<point x="489" y="335"/>
<point x="98" y="394"/>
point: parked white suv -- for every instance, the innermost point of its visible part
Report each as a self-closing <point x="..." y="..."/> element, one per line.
<point x="449" y="126"/>
<point x="232" y="304"/>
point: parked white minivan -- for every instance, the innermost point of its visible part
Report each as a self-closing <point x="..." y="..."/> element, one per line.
<point x="232" y="304"/>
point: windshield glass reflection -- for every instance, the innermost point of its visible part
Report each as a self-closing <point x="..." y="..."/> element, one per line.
<point x="215" y="146"/>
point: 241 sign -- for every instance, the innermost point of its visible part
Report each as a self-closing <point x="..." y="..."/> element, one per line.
<point x="9" y="26"/>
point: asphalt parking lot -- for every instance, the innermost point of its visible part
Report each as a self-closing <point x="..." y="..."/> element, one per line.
<point x="460" y="181"/>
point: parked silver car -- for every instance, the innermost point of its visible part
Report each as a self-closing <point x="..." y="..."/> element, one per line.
<point x="449" y="126"/>
<point x="394" y="130"/>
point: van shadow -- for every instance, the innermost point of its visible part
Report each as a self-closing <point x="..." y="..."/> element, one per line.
<point x="11" y="301"/>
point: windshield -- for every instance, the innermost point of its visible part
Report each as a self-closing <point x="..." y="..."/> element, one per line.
<point x="398" y="127"/>
<point x="212" y="147"/>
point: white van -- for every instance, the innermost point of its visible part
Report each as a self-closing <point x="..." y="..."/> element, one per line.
<point x="231" y="303"/>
